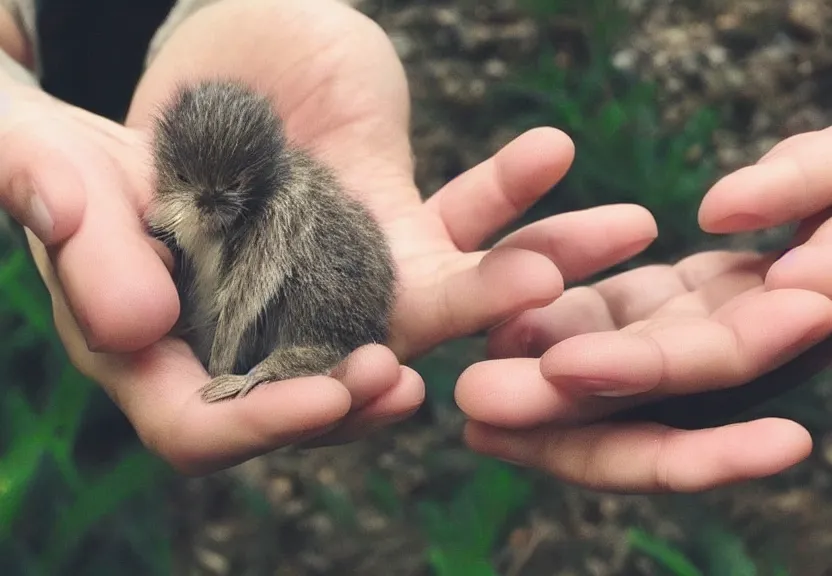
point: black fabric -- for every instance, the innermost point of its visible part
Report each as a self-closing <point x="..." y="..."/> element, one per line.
<point x="93" y="51"/>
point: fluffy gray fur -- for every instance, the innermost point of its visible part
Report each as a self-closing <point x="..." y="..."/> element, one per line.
<point x="280" y="274"/>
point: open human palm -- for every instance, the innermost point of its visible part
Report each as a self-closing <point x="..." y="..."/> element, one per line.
<point x="712" y="321"/>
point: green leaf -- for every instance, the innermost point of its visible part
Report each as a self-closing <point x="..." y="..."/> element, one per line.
<point x="20" y="462"/>
<point x="17" y="287"/>
<point x="338" y="504"/>
<point x="137" y="471"/>
<point x="383" y="494"/>
<point x="611" y="119"/>
<point x="725" y="553"/>
<point x="63" y="415"/>
<point x="462" y="533"/>
<point x="451" y="563"/>
<point x="663" y="553"/>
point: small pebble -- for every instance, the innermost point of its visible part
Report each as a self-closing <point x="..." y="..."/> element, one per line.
<point x="219" y="533"/>
<point x="212" y="561"/>
<point x="495" y="68"/>
<point x="279" y="490"/>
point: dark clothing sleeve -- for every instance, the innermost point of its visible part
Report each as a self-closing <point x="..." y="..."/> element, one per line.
<point x="24" y="13"/>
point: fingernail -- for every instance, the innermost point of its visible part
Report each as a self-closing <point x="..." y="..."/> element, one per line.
<point x="611" y="394"/>
<point x="36" y="216"/>
<point x="789" y="258"/>
<point x="602" y="388"/>
<point x="93" y="345"/>
<point x="790" y="269"/>
<point x="40" y="221"/>
<point x="744" y="222"/>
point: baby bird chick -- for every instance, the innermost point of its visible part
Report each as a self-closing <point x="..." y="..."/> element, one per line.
<point x="280" y="273"/>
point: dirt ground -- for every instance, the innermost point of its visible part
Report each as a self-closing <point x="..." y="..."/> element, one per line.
<point x="767" y="66"/>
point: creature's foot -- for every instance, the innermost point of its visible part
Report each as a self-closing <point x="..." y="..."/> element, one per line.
<point x="294" y="362"/>
<point x="222" y="387"/>
<point x="282" y="364"/>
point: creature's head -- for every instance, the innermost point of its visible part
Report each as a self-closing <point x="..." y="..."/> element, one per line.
<point x="218" y="155"/>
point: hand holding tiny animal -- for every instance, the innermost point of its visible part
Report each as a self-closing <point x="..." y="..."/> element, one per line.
<point x="334" y="77"/>
<point x="281" y="274"/>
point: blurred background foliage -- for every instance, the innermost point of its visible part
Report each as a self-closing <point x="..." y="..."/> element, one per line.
<point x="624" y="151"/>
<point x="79" y="495"/>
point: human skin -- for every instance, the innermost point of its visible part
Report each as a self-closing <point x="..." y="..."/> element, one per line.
<point x="712" y="321"/>
<point x="337" y="82"/>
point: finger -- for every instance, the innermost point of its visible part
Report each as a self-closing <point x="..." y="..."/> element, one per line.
<point x="678" y="356"/>
<point x="369" y="372"/>
<point x="619" y="301"/>
<point x="380" y="393"/>
<point x="808" y="226"/>
<point x="579" y="310"/>
<point x="629" y="301"/>
<point x="616" y="368"/>
<point x="158" y="389"/>
<point x="478" y="203"/>
<point x="505" y="282"/>
<point x="120" y="291"/>
<point x="807" y="266"/>
<point x="113" y="278"/>
<point x="608" y="305"/>
<point x="163" y="253"/>
<point x="512" y="393"/>
<point x="39" y="187"/>
<point x="649" y="457"/>
<point x="396" y="404"/>
<point x="208" y="437"/>
<point x="786" y="185"/>
<point x="584" y="242"/>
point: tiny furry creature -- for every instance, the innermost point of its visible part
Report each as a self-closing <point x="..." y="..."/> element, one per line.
<point x="279" y="273"/>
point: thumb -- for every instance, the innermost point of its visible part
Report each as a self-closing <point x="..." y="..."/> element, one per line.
<point x="39" y="186"/>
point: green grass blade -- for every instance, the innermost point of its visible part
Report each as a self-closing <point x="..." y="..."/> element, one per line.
<point x="20" y="461"/>
<point x="663" y="553"/>
<point x="17" y="288"/>
<point x="135" y="472"/>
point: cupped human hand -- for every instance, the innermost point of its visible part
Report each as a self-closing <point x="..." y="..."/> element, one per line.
<point x="77" y="182"/>
<point x="113" y="298"/>
<point x="712" y="321"/>
<point x="80" y="184"/>
<point x="340" y="88"/>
